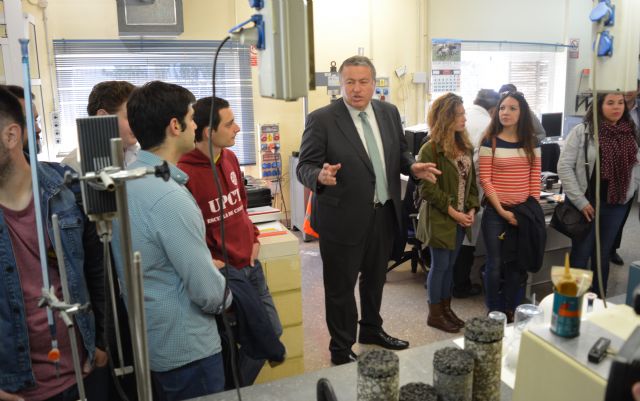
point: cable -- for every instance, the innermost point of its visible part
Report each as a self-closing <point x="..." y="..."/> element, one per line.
<point x="594" y="108"/>
<point x="225" y="257"/>
<point x="279" y="180"/>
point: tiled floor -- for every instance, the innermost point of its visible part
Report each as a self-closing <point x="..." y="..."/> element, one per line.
<point x="404" y="305"/>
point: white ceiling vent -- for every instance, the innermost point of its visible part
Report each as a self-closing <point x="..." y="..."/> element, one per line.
<point x="150" y="17"/>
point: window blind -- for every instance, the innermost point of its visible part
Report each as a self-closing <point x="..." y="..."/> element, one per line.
<point x="80" y="64"/>
<point x="532" y="79"/>
<point x="537" y="70"/>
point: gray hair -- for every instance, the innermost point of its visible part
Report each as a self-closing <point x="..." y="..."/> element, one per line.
<point x="358" y="61"/>
<point x="487" y="98"/>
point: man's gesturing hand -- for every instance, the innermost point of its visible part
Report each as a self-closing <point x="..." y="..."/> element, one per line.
<point x="328" y="173"/>
<point x="425" y="171"/>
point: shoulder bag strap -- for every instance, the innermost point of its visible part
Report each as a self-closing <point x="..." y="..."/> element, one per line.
<point x="493" y="147"/>
<point x="586" y="164"/>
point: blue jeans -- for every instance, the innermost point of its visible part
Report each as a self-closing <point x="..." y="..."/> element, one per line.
<point x="195" y="379"/>
<point x="611" y="219"/>
<point x="440" y="278"/>
<point x="504" y="288"/>
<point x="250" y="368"/>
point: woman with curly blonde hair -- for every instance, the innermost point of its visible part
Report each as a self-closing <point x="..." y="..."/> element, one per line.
<point x="451" y="204"/>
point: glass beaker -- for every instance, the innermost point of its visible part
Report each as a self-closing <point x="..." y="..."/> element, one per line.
<point x="527" y="315"/>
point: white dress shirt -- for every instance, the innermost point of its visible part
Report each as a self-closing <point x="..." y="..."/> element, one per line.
<point x="371" y="117"/>
<point x="355" y="116"/>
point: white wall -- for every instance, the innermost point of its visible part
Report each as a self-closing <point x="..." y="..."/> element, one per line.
<point x="514" y="20"/>
<point x="388" y="31"/>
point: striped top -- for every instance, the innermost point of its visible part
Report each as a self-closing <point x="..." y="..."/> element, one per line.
<point x="507" y="173"/>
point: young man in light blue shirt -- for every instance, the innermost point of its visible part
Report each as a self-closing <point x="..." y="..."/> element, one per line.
<point x="183" y="289"/>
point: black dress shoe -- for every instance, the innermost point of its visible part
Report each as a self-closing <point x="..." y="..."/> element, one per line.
<point x="616" y="259"/>
<point x="383" y="339"/>
<point x="341" y="359"/>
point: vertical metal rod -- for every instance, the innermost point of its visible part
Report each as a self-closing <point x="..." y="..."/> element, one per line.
<point x="138" y="286"/>
<point x="33" y="159"/>
<point x="135" y="297"/>
<point x="114" y="307"/>
<point x="67" y="299"/>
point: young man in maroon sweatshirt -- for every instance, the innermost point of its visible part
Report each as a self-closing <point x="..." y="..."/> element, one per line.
<point x="241" y="236"/>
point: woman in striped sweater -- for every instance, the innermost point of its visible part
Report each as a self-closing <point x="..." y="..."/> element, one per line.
<point x="509" y="169"/>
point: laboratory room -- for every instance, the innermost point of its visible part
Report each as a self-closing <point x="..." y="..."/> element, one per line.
<point x="321" y="200"/>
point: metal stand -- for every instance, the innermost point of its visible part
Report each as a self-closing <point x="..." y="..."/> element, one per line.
<point x="113" y="179"/>
<point x="65" y="309"/>
<point x="104" y="229"/>
<point x="66" y="312"/>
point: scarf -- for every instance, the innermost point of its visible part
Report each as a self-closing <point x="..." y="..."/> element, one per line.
<point x="618" y="149"/>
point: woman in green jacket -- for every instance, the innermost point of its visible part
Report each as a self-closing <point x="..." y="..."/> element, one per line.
<point x="451" y="204"/>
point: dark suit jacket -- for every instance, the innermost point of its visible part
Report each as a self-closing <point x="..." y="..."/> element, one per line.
<point x="342" y="213"/>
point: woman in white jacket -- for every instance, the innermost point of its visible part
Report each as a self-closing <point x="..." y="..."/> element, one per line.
<point x="619" y="158"/>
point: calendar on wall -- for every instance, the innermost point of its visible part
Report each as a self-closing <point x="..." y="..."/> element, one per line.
<point x="445" y="80"/>
<point x="445" y="66"/>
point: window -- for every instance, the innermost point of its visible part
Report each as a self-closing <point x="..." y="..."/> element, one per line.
<point x="537" y="70"/>
<point x="80" y="64"/>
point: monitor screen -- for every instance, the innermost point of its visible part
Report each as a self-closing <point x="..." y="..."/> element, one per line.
<point x="569" y="123"/>
<point x="552" y="123"/>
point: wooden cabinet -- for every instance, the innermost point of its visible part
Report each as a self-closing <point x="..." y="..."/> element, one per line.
<point x="281" y="264"/>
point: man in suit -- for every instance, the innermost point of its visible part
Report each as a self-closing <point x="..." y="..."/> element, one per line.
<point x="352" y="154"/>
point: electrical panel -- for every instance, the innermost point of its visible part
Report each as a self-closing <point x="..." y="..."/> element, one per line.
<point x="383" y="90"/>
<point x="284" y="59"/>
<point x="271" y="161"/>
<point x="617" y="63"/>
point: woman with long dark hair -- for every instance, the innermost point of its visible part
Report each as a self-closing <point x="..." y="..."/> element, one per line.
<point x="452" y="203"/>
<point x="618" y="166"/>
<point x="509" y="170"/>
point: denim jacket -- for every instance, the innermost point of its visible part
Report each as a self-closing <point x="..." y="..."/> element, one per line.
<point x="84" y="271"/>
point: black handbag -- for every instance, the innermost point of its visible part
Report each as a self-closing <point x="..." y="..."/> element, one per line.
<point x="570" y="221"/>
<point x="567" y="219"/>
